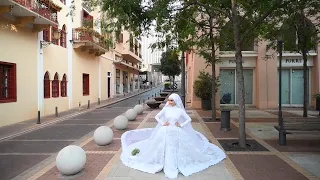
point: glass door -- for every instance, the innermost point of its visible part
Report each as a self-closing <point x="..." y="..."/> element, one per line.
<point x="285" y="86"/>
<point x="248" y="85"/>
<point x="297" y="86"/>
<point x="227" y="88"/>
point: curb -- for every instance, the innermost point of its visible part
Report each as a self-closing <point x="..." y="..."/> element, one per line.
<point x="63" y="118"/>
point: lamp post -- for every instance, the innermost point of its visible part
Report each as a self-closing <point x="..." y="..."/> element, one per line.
<point x="280" y="118"/>
<point x="183" y="80"/>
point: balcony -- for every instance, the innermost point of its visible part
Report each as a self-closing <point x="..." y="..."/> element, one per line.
<point x="88" y="39"/>
<point x="39" y="13"/>
<point x="123" y="63"/>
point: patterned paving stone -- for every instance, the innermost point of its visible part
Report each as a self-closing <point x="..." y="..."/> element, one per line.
<point x="215" y="130"/>
<point x="95" y="163"/>
<point x="32" y="146"/>
<point x="284" y="114"/>
<point x="13" y="165"/>
<point x="59" y="132"/>
<point x="114" y="146"/>
<point x="253" y="167"/>
<point x="91" y="121"/>
<point x="258" y="120"/>
<point x="311" y="145"/>
<point x="117" y="133"/>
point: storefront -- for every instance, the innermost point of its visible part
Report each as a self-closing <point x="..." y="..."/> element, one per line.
<point x="292" y="81"/>
<point x="228" y="81"/>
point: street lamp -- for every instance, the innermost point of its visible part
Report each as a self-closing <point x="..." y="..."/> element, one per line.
<point x="280" y="118"/>
<point x="183" y="80"/>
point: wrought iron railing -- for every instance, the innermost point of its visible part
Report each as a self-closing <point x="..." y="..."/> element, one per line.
<point x="42" y="7"/>
<point x="82" y="34"/>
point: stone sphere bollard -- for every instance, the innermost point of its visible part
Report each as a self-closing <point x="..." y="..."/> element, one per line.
<point x="71" y="160"/>
<point x="103" y="135"/>
<point x="131" y="114"/>
<point x="138" y="108"/>
<point x="120" y="122"/>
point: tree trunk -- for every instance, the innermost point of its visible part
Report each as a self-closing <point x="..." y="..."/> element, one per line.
<point x="213" y="98"/>
<point x="172" y="84"/>
<point x="240" y="79"/>
<point x="213" y="75"/>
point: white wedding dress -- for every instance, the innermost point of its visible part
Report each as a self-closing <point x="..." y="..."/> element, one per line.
<point x="170" y="148"/>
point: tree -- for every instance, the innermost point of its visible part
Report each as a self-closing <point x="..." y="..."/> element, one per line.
<point x="196" y="25"/>
<point x="299" y="34"/>
<point x="170" y="64"/>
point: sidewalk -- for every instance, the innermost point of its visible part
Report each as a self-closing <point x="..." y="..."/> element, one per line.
<point x="29" y="125"/>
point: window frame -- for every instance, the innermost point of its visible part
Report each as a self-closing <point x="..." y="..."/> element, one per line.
<point x="63" y="38"/>
<point x="85" y="84"/>
<point x="46" y="85"/>
<point x="63" y="86"/>
<point x="12" y="95"/>
<point x="55" y="86"/>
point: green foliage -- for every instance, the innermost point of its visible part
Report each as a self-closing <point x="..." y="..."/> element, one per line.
<point x="203" y="85"/>
<point x="316" y="96"/>
<point x="135" y="151"/>
<point x="167" y="85"/>
<point x="170" y="63"/>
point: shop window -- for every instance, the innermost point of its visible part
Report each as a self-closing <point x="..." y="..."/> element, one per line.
<point x="8" y="86"/>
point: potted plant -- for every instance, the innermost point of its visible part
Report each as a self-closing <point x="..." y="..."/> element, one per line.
<point x="203" y="89"/>
<point x="167" y="86"/>
<point x="317" y="97"/>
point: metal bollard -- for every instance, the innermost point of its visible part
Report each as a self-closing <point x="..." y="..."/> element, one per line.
<point x="56" y="114"/>
<point x="98" y="101"/>
<point x="38" y="120"/>
<point x="139" y="101"/>
<point x="225" y="120"/>
<point x="88" y="104"/>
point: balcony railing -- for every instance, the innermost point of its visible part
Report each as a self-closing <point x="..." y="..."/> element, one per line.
<point x="44" y="8"/>
<point x="89" y="35"/>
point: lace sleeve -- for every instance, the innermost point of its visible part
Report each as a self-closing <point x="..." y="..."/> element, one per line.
<point x="186" y="117"/>
<point x="159" y="115"/>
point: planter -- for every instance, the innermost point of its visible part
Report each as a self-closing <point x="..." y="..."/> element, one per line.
<point x="164" y="94"/>
<point x="154" y="105"/>
<point x="206" y="104"/>
<point x="318" y="104"/>
<point x="159" y="98"/>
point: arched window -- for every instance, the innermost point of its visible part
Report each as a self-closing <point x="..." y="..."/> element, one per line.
<point x="63" y="37"/>
<point x="64" y="86"/>
<point x="55" y="86"/>
<point x="46" y="85"/>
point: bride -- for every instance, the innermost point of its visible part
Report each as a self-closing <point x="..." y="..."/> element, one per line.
<point x="172" y="146"/>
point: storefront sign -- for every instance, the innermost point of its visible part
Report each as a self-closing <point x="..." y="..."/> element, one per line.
<point x="295" y="62"/>
<point x="246" y="62"/>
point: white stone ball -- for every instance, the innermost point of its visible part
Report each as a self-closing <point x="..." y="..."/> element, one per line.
<point x="103" y="135"/>
<point x="138" y="108"/>
<point x="71" y="160"/>
<point x="120" y="122"/>
<point x="131" y="114"/>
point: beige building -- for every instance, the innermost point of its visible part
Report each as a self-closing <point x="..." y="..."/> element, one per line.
<point x="260" y="77"/>
<point x="48" y="59"/>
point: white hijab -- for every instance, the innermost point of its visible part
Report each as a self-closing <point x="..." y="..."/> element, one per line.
<point x="177" y="100"/>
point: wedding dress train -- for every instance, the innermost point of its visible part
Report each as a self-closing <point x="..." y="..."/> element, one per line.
<point x="170" y="148"/>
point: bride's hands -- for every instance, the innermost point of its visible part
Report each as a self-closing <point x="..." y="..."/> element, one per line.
<point x="177" y="124"/>
<point x="166" y="124"/>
